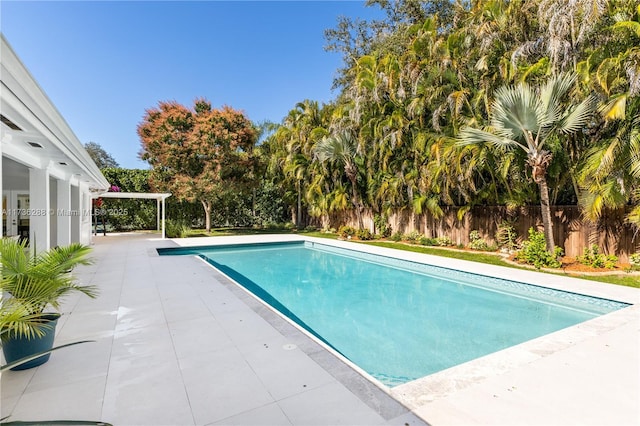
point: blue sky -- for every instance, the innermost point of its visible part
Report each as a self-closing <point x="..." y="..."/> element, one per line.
<point x="103" y="63"/>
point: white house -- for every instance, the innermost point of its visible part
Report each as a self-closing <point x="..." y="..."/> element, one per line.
<point x="46" y="175"/>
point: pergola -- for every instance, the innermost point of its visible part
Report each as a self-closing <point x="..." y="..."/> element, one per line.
<point x="159" y="197"/>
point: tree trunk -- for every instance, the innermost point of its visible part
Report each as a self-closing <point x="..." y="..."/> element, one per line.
<point x="299" y="211"/>
<point x="546" y="214"/>
<point x="207" y="215"/>
<point x="357" y="204"/>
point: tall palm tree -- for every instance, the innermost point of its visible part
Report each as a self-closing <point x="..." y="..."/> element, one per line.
<point x="341" y="150"/>
<point x="524" y="118"/>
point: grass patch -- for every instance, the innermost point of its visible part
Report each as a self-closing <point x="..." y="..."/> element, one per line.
<point x="218" y="232"/>
<point x="491" y="259"/>
<point x="494" y="259"/>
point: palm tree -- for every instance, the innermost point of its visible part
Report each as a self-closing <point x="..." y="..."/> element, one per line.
<point x="28" y="285"/>
<point x="341" y="150"/>
<point x="524" y="118"/>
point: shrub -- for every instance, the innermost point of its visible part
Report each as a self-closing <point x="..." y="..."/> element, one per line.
<point x="383" y="228"/>
<point x="591" y="256"/>
<point x="346" y="231"/>
<point x="176" y="229"/>
<point x="426" y="241"/>
<point x="444" y="241"/>
<point x="534" y="252"/>
<point x="311" y="228"/>
<point x="397" y="236"/>
<point x="477" y="242"/>
<point x="506" y="236"/>
<point x="364" y="234"/>
<point x="413" y="236"/>
<point x="634" y="259"/>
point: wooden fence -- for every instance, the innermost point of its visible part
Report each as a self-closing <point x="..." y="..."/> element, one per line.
<point x="612" y="234"/>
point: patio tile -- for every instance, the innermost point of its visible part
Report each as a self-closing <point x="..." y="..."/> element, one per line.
<point x="244" y="326"/>
<point x="134" y="315"/>
<point x="80" y="400"/>
<point x="184" y="308"/>
<point x="221" y="384"/>
<point x="7" y="404"/>
<point x="284" y="371"/>
<point x="73" y="364"/>
<point x="145" y="390"/>
<point x="14" y="383"/>
<point x="330" y="404"/>
<point x="268" y="415"/>
<point x="152" y="341"/>
<point x="198" y="336"/>
<point x="87" y="325"/>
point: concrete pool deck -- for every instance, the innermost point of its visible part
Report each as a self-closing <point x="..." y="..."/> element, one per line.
<point x="206" y="352"/>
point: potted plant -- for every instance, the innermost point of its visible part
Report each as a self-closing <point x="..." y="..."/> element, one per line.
<point x="30" y="284"/>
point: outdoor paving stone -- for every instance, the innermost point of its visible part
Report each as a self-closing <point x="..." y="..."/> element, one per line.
<point x="243" y="325"/>
<point x="221" y="384"/>
<point x="184" y="308"/>
<point x="136" y="315"/>
<point x="72" y="364"/>
<point x="7" y="404"/>
<point x="153" y="341"/>
<point x="81" y="400"/>
<point x="268" y="415"/>
<point x="284" y="371"/>
<point x="198" y="336"/>
<point x="14" y="383"/>
<point x="146" y="391"/>
<point x="330" y="404"/>
<point x="86" y="325"/>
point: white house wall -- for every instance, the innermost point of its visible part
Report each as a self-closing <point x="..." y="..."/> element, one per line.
<point x="43" y="156"/>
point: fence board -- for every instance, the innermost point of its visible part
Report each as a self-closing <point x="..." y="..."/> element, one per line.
<point x="612" y="234"/>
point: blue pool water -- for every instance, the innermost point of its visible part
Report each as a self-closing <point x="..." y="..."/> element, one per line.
<point x="396" y="319"/>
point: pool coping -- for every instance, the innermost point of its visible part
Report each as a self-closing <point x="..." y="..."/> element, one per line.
<point x="418" y="394"/>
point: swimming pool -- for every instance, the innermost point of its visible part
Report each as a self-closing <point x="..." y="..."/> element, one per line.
<point x="397" y="320"/>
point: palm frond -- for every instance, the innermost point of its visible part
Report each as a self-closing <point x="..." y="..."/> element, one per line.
<point x="33" y="283"/>
<point x="579" y="117"/>
<point x="471" y="135"/>
<point x="551" y="94"/>
<point x="515" y="109"/>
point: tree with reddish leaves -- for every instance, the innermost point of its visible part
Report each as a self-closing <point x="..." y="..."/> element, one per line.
<point x="198" y="154"/>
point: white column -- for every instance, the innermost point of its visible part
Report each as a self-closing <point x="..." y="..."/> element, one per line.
<point x="39" y="204"/>
<point x="64" y="212"/>
<point x="76" y="218"/>
<point x="158" y="214"/>
<point x="163" y="219"/>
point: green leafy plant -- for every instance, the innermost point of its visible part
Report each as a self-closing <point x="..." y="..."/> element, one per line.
<point x="176" y="229"/>
<point x="506" y="236"/>
<point x="426" y="241"/>
<point x="382" y="226"/>
<point x="396" y="236"/>
<point x="413" y="236"/>
<point x="444" y="241"/>
<point x="591" y="256"/>
<point x="476" y="241"/>
<point x="364" y="234"/>
<point x="29" y="284"/>
<point x="346" y="231"/>
<point x="534" y="252"/>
